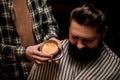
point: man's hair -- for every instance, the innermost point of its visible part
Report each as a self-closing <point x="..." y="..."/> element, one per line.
<point x="88" y="15"/>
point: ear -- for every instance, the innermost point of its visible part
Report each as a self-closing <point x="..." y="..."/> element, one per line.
<point x="104" y="32"/>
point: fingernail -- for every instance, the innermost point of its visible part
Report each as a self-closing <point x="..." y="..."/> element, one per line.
<point x="49" y="60"/>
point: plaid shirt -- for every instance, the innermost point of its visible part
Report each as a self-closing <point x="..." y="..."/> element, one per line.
<point x="12" y="54"/>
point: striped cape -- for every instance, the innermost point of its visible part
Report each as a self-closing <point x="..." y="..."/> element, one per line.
<point x="106" y="67"/>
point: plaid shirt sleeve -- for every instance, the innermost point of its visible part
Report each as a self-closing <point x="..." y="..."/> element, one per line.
<point x="13" y="53"/>
<point x="11" y="56"/>
<point x="7" y="31"/>
<point x="50" y="26"/>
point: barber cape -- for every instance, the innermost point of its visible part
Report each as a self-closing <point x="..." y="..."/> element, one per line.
<point x="106" y="67"/>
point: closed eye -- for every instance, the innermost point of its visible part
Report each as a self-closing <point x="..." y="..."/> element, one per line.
<point x="88" y="40"/>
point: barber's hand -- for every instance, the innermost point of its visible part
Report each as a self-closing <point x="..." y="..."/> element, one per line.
<point x="34" y="54"/>
<point x="59" y="46"/>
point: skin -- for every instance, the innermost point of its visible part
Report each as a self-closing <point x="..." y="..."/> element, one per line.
<point x="81" y="36"/>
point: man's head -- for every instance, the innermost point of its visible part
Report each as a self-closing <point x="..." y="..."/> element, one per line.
<point x="87" y="29"/>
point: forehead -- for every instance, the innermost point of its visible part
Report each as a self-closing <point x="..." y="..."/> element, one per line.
<point x="82" y="30"/>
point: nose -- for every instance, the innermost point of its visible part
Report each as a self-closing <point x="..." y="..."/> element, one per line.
<point x="80" y="44"/>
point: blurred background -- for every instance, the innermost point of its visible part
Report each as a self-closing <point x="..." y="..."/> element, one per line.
<point x="62" y="9"/>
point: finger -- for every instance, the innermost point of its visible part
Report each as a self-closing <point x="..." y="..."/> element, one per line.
<point x="38" y="62"/>
<point x="49" y="60"/>
<point x="39" y="53"/>
<point x="58" y="42"/>
<point x="59" y="46"/>
<point x="45" y="55"/>
<point x="57" y="61"/>
<point x="39" y="45"/>
<point x="39" y="58"/>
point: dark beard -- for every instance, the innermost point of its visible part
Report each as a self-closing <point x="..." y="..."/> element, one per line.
<point x="86" y="54"/>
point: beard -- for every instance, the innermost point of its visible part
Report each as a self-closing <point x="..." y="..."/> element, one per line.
<point x="85" y="54"/>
